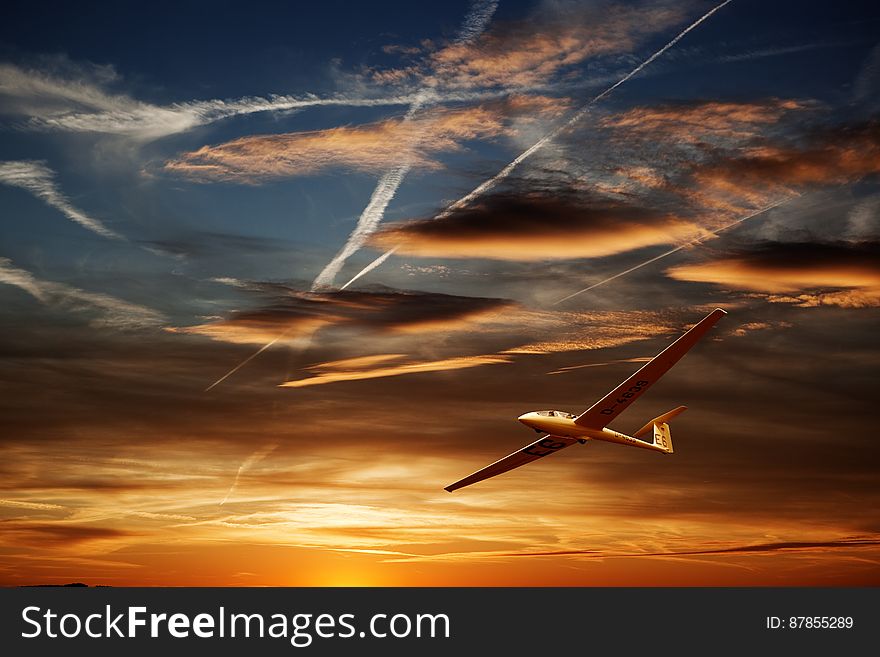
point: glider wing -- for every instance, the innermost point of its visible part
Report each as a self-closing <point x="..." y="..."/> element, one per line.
<point x="542" y="447"/>
<point x="600" y="414"/>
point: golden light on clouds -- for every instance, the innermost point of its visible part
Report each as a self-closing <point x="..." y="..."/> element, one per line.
<point x="368" y="147"/>
<point x="123" y="466"/>
<point x="390" y="524"/>
<point x="256" y="330"/>
<point x="743" y="275"/>
<point x="836" y="156"/>
<point x="539" y="239"/>
<point x="852" y="279"/>
<point x="332" y="373"/>
<point x="528" y="53"/>
<point x="696" y="122"/>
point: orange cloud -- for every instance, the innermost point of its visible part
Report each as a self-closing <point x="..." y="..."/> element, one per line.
<point x="331" y="373"/>
<point x="836" y="156"/>
<point x="363" y="148"/>
<point x="256" y="328"/>
<point x="855" y="298"/>
<point x="531" y="52"/>
<point x="296" y="315"/>
<point x="695" y="122"/>
<point x="803" y="274"/>
<point x="467" y="319"/>
<point x="536" y="227"/>
<point x="573" y="331"/>
<point x="558" y="331"/>
<point x="697" y="142"/>
<point x="727" y="158"/>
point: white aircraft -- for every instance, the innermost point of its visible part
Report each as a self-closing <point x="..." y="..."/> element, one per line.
<point x="563" y="429"/>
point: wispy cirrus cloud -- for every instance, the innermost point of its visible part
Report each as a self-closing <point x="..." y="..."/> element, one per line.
<point x="38" y="179"/>
<point x="475" y="331"/>
<point x="571" y="368"/>
<point x="334" y="373"/>
<point x="60" y="534"/>
<point x="532" y="52"/>
<point x="724" y="122"/>
<point x="361" y="148"/>
<point x="68" y="97"/>
<point x="834" y="155"/>
<point x="810" y="547"/>
<point x="110" y="311"/>
<point x="660" y="148"/>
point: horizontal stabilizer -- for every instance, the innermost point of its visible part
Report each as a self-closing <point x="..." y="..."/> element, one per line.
<point x="660" y="419"/>
<point x="544" y="446"/>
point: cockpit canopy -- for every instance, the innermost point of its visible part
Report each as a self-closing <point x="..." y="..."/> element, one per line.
<point x="568" y="416"/>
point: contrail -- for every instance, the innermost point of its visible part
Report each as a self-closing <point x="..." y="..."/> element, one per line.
<point x="476" y="20"/>
<point x="372" y="215"/>
<point x="37" y="178"/>
<point x="245" y="361"/>
<point x="506" y="171"/>
<point x="474" y="24"/>
<point x="302" y="343"/>
<point x="251" y="460"/>
<point x="676" y="249"/>
<point x="564" y="370"/>
<point x="370" y="267"/>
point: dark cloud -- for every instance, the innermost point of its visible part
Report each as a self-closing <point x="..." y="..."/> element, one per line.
<point x="297" y="314"/>
<point x="718" y="161"/>
<point x="804" y="546"/>
<point x="807" y="274"/>
<point x="58" y="534"/>
<point x="547" y="225"/>
<point x="831" y="155"/>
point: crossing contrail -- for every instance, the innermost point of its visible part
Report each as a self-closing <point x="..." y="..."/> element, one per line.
<point x="577" y="116"/>
<point x="370" y="267"/>
<point x="372" y="215"/>
<point x="474" y="24"/>
<point x="700" y="239"/>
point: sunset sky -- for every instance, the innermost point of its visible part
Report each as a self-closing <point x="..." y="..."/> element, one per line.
<point x="189" y="397"/>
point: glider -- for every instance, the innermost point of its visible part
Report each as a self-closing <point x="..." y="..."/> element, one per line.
<point x="563" y="429"/>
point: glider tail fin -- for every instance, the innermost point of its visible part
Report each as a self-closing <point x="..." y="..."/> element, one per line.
<point x="662" y="438"/>
<point x="659" y="427"/>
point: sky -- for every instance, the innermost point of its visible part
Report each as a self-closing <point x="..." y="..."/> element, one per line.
<point x="273" y="275"/>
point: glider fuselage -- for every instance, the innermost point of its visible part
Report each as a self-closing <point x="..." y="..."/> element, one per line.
<point x="560" y="423"/>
